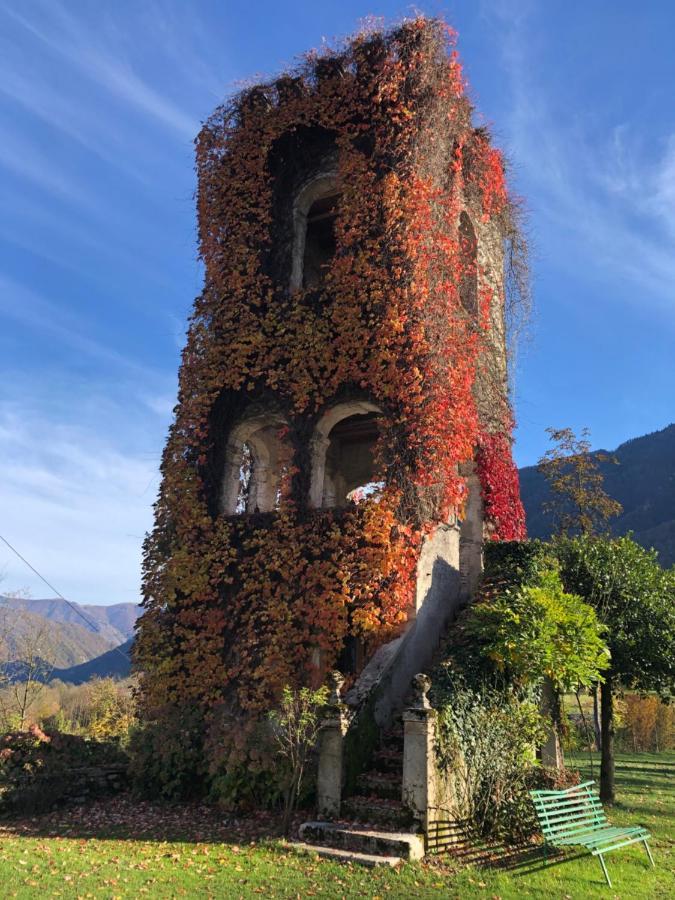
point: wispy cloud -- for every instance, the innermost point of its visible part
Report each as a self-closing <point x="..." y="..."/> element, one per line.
<point x="24" y="159"/>
<point x="161" y="404"/>
<point x="613" y="207"/>
<point x="41" y="99"/>
<point x="641" y="178"/>
<point x="83" y="50"/>
<point x="75" y="504"/>
<point x="38" y="312"/>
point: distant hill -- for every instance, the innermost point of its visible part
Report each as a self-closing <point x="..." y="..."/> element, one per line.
<point x="644" y="484"/>
<point x="114" y="624"/>
<point x="65" y="643"/>
<point x="115" y="663"/>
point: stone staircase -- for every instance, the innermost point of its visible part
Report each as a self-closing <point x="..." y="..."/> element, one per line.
<point x="375" y="829"/>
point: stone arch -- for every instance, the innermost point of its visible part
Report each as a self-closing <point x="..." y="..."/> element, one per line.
<point x="468" y="245"/>
<point x="341" y="451"/>
<point x="314" y="212"/>
<point x="254" y="458"/>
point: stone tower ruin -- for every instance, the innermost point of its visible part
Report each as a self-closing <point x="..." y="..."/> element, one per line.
<point x="341" y="447"/>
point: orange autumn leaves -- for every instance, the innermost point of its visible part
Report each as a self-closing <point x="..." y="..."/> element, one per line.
<point x="237" y="607"/>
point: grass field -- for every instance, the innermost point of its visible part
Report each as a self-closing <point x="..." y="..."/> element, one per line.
<point x="124" y="850"/>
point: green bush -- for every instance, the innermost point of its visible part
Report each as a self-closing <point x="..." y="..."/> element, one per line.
<point x="522" y="628"/>
<point x="486" y="742"/>
<point x="167" y="757"/>
<point x="242" y="789"/>
<point x="515" y="563"/>
<point x="536" y="630"/>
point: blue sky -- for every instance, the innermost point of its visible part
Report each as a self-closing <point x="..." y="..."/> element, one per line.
<point x="99" y="104"/>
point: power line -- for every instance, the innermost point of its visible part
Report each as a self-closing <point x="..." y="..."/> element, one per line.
<point x="51" y="587"/>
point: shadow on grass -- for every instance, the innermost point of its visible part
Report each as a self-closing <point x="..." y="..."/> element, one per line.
<point x="454" y="840"/>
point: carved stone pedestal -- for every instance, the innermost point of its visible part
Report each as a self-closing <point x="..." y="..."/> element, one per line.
<point x="419" y="760"/>
<point x="331" y="752"/>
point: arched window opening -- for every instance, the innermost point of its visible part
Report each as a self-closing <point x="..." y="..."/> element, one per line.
<point x="314" y="241"/>
<point x="343" y="467"/>
<point x="350" y="475"/>
<point x="468" y="245"/>
<point x="320" y="243"/>
<point x="255" y="467"/>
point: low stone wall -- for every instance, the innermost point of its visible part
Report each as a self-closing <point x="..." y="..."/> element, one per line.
<point x="41" y="792"/>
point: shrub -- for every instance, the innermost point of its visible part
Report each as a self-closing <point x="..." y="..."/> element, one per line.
<point x="167" y="756"/>
<point x="514" y="563"/>
<point x="537" y="634"/>
<point x="538" y="631"/>
<point x="296" y="725"/>
<point x="244" y="790"/>
<point x="39" y="770"/>
<point x="486" y="741"/>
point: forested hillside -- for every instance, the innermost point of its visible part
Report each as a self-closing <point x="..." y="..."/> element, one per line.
<point x="115" y="623"/>
<point x="643" y="482"/>
<point x="115" y="663"/>
<point x="62" y="644"/>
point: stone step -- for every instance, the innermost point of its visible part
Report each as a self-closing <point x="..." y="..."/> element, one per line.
<point x="402" y="844"/>
<point x="375" y="810"/>
<point x="349" y="856"/>
<point x="388" y="761"/>
<point x="392" y="740"/>
<point x="379" y="784"/>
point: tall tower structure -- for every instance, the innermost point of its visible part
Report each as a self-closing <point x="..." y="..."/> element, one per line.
<point x="341" y="446"/>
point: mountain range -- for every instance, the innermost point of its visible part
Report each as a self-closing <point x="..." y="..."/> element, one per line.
<point x="113" y="624"/>
<point x="68" y="636"/>
<point x="115" y="663"/>
<point x="642" y="480"/>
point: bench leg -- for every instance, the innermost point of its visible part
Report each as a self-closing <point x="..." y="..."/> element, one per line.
<point x="604" y="869"/>
<point x="649" y="853"/>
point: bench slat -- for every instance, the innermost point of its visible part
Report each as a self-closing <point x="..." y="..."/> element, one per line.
<point x="576" y="817"/>
<point x="588" y="808"/>
<point x="559" y="808"/>
<point x="569" y="803"/>
<point x="598" y="851"/>
<point x="572" y="810"/>
<point x="578" y="828"/>
<point x="569" y="790"/>
<point x="595" y="840"/>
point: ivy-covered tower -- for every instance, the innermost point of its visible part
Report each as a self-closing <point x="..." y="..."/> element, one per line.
<point x="342" y="443"/>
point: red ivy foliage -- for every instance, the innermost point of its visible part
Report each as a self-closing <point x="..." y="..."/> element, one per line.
<point x="237" y="606"/>
<point x="500" y="488"/>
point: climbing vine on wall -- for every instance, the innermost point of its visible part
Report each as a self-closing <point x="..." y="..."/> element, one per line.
<point x="500" y="488"/>
<point x="235" y="607"/>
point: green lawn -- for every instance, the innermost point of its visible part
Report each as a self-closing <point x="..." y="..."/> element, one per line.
<point x="122" y="850"/>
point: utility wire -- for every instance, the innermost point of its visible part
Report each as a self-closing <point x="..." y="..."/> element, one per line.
<point x="51" y="587"/>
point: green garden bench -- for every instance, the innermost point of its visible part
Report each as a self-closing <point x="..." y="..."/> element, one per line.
<point x="575" y="817"/>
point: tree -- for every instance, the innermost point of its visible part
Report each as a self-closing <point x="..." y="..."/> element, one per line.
<point x="26" y="664"/>
<point x="296" y="725"/>
<point x="537" y="633"/>
<point x="579" y="504"/>
<point x="635" y="598"/>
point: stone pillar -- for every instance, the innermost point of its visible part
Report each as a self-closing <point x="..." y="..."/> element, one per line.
<point x="331" y="751"/>
<point x="471" y="534"/>
<point x="317" y="449"/>
<point x="419" y="760"/>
